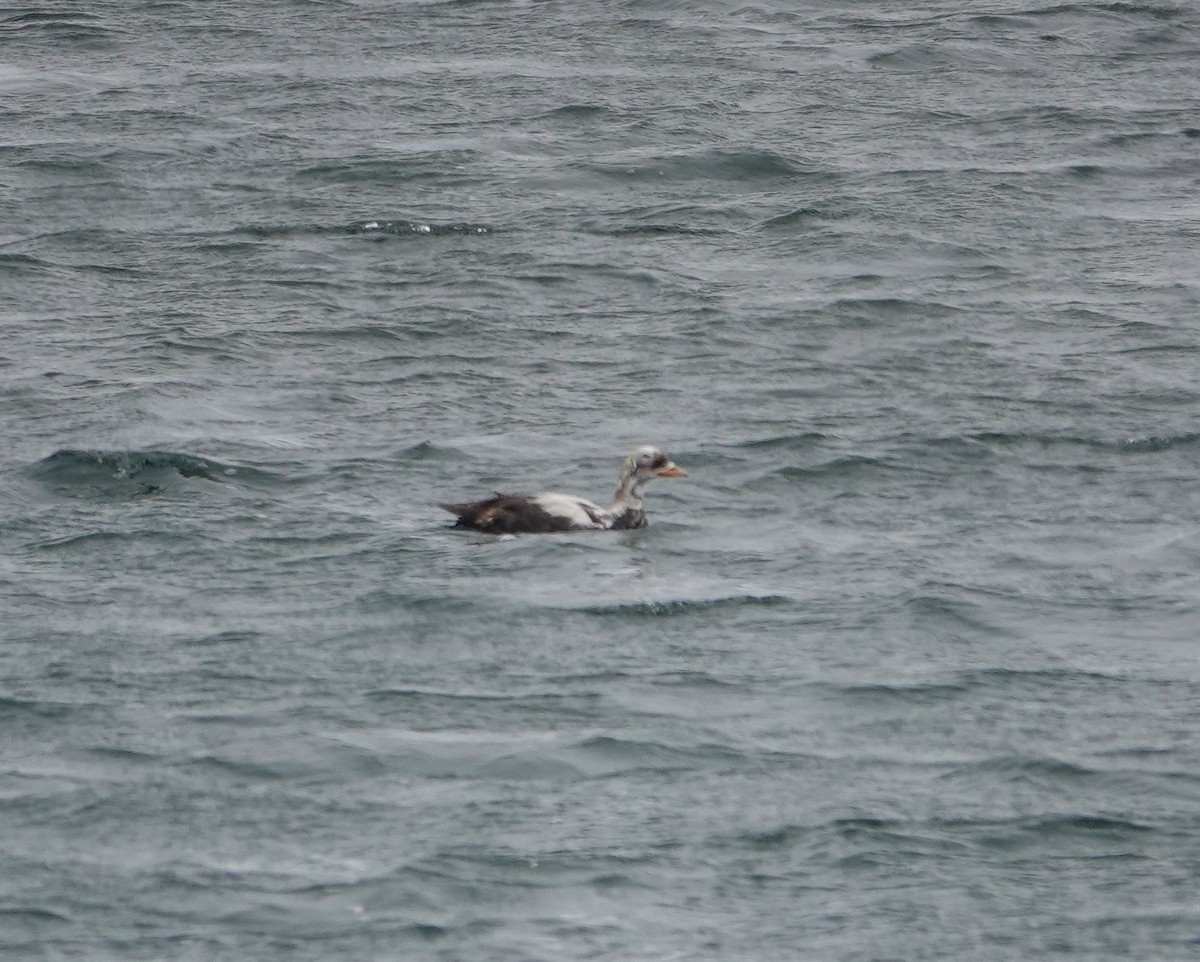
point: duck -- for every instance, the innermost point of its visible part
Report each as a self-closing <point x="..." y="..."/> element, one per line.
<point x="551" y="512"/>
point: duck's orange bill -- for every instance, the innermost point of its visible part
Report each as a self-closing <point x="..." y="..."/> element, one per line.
<point x="672" y="470"/>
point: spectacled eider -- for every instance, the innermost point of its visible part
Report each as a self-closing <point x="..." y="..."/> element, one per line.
<point x="551" y="511"/>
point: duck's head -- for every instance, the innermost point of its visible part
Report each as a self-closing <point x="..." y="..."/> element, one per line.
<point x="642" y="464"/>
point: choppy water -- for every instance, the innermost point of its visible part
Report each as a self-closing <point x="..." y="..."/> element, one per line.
<point x="906" y="669"/>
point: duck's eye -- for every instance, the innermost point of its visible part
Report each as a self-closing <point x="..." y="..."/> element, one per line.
<point x="659" y="461"/>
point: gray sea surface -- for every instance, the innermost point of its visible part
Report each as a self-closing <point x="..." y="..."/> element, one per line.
<point x="908" y="667"/>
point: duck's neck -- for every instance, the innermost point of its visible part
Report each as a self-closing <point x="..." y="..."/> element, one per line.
<point x="626" y="507"/>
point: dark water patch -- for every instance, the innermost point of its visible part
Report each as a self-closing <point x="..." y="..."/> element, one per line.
<point x="239" y="720"/>
<point x="16" y="264"/>
<point x="886" y="310"/>
<point x="857" y="841"/>
<point x="535" y="757"/>
<point x="13" y="708"/>
<point x="474" y="865"/>
<point x="28" y="928"/>
<point x="674" y="607"/>
<point x="134" y="473"/>
<point x="989" y="443"/>
<point x="1048" y="683"/>
<point x="741" y="166"/>
<point x="1153" y="444"/>
<point x="1021" y="768"/>
<point x="68" y="165"/>
<point x="799" y="217"/>
<point x="1144" y="137"/>
<point x="660" y="230"/>
<point x="782" y="442"/>
<point x="1056" y="830"/>
<point x="579" y="111"/>
<point x="691" y="678"/>
<point x="668" y="220"/>
<point x="559" y="273"/>
<point x="874" y="841"/>
<point x="448" y="167"/>
<point x="25" y="265"/>
<point x="102" y="541"/>
<point x="227" y="637"/>
<point x="438" y="753"/>
<point x="301" y="759"/>
<point x="282" y="231"/>
<point x="123" y="756"/>
<point x="773" y="839"/>
<point x="1172" y="351"/>
<point x="1155" y="11"/>
<point x="18" y="915"/>
<point x="78" y="28"/>
<point x="429" y="451"/>
<point x="425" y="708"/>
<point x="842" y="467"/>
<point x="916" y="693"/>
<point x="525" y="700"/>
<point x="608" y="755"/>
<point x="917" y="57"/>
<point x="946" y="610"/>
<point x="433" y="605"/>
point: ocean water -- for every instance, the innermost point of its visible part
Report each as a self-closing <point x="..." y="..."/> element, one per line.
<point x="907" y="669"/>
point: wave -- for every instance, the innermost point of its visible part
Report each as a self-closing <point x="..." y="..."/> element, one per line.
<point x="843" y="466"/>
<point x="12" y="708"/>
<point x="680" y="606"/>
<point x="1053" y="678"/>
<point x="896" y="838"/>
<point x="410" y="228"/>
<point x="449" y="167"/>
<point x="25" y="263"/>
<point x="501" y="599"/>
<point x="428" y="451"/>
<point x="136" y="472"/>
<point x="579" y="111"/>
<point x="429" y="696"/>
<point x="660" y="230"/>
<point x="1053" y="828"/>
<point x="712" y="164"/>
<point x="24" y="917"/>
<point x="1047" y="683"/>
<point x="801" y="440"/>
<point x="1155" y="11"/>
<point x="801" y="216"/>
<point x="979" y="442"/>
<point x="60" y="27"/>
<point x="672" y="219"/>
<point x="917" y="692"/>
<point x="1011" y="767"/>
<point x="372" y="226"/>
<point x="442" y="754"/>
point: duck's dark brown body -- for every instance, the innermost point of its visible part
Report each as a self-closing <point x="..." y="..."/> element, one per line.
<point x="518" y="514"/>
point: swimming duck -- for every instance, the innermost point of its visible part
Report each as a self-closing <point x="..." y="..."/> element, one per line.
<point x="551" y="511"/>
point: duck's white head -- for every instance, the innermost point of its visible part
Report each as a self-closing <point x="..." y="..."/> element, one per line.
<point x="642" y="464"/>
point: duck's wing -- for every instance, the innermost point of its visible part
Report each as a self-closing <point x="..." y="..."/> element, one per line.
<point x="582" y="513"/>
<point x="526" y="514"/>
